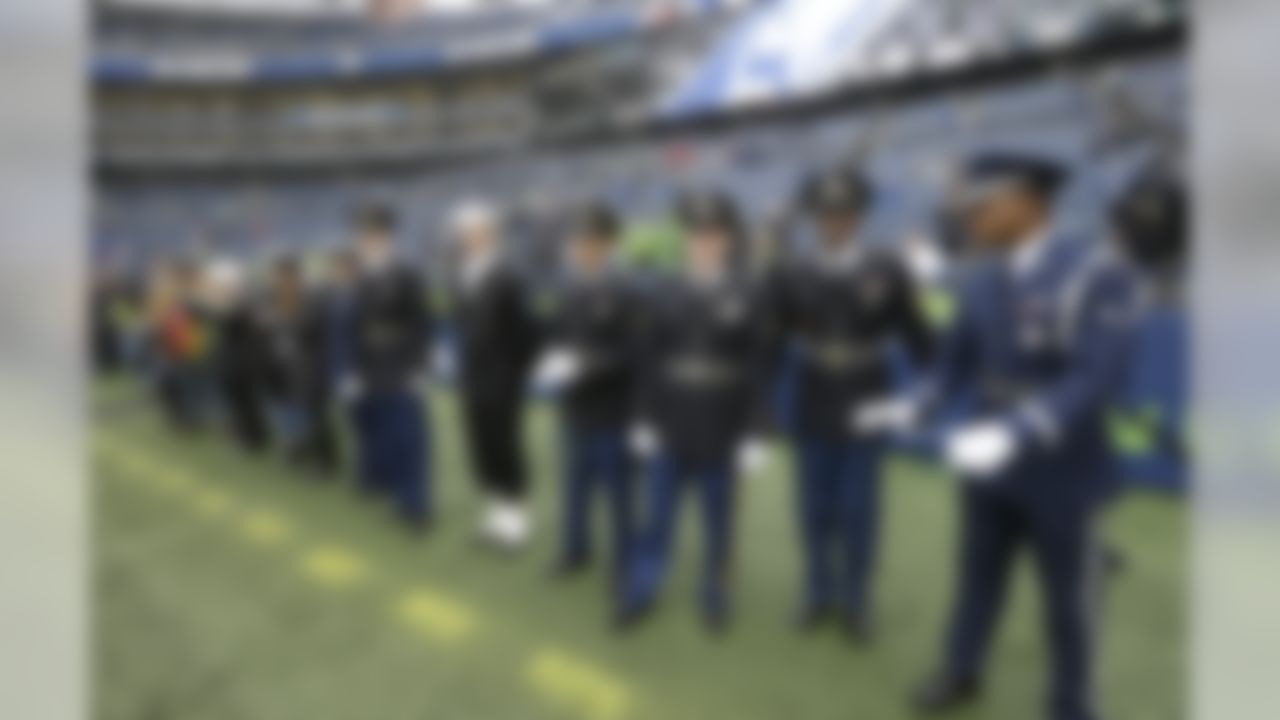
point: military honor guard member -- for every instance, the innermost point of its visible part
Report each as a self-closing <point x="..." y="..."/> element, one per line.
<point x="498" y="339"/>
<point x="588" y="360"/>
<point x="702" y="404"/>
<point x="386" y="378"/>
<point x="1039" y="347"/>
<point x="842" y="310"/>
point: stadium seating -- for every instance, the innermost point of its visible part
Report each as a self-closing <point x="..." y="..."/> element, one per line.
<point x="139" y="45"/>
<point x="908" y="149"/>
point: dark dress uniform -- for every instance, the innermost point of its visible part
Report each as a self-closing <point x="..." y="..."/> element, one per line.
<point x="596" y="321"/>
<point x="392" y="332"/>
<point x="1042" y="350"/>
<point x="497" y="338"/>
<point x="702" y="350"/>
<point x="841" y="319"/>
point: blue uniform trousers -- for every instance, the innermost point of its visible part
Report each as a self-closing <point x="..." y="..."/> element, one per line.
<point x="362" y="424"/>
<point x="715" y="487"/>
<point x="838" y="506"/>
<point x="596" y="459"/>
<point x="391" y="429"/>
<point x="289" y="423"/>
<point x="995" y="524"/>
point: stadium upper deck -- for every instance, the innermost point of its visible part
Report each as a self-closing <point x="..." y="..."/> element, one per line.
<point x="207" y="91"/>
<point x="265" y="164"/>
<point x="158" y="45"/>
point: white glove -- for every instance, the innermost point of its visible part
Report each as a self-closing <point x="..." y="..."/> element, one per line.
<point x="752" y="456"/>
<point x="644" y="440"/>
<point x="350" y="388"/>
<point x="980" y="450"/>
<point x="558" y="368"/>
<point x="885" y="415"/>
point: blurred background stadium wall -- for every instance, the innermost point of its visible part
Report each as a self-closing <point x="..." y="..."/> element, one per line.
<point x="255" y="128"/>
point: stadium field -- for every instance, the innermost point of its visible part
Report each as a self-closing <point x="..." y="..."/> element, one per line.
<point x="231" y="588"/>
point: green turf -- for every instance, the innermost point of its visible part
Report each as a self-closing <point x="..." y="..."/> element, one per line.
<point x="195" y="621"/>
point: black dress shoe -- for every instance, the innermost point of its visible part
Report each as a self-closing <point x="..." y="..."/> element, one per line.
<point x="628" y="616"/>
<point x="417" y="525"/>
<point x="716" y="623"/>
<point x="567" y="568"/>
<point x="715" y="619"/>
<point x="716" y="609"/>
<point x="1114" y="561"/>
<point x="858" y="627"/>
<point x="811" y="615"/>
<point x="945" y="692"/>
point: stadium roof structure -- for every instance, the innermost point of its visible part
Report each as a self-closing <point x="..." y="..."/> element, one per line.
<point x="188" y="41"/>
<point x="305" y="7"/>
<point x="401" y="8"/>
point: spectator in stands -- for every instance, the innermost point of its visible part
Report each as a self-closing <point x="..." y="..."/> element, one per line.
<point x="497" y="338"/>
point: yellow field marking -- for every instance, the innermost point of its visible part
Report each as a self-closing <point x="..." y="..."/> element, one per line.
<point x="211" y="502"/>
<point x="106" y="451"/>
<point x="574" y="684"/>
<point x="122" y="469"/>
<point x="152" y="474"/>
<point x="176" y="482"/>
<point x="119" y="456"/>
<point x="144" y="473"/>
<point x="263" y="527"/>
<point x="334" y="566"/>
<point x="434" y="614"/>
<point x="578" y="685"/>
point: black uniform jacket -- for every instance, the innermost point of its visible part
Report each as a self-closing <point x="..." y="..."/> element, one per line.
<point x="597" y="320"/>
<point x="841" y="322"/>
<point x="703" y="355"/>
<point x="392" y="323"/>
